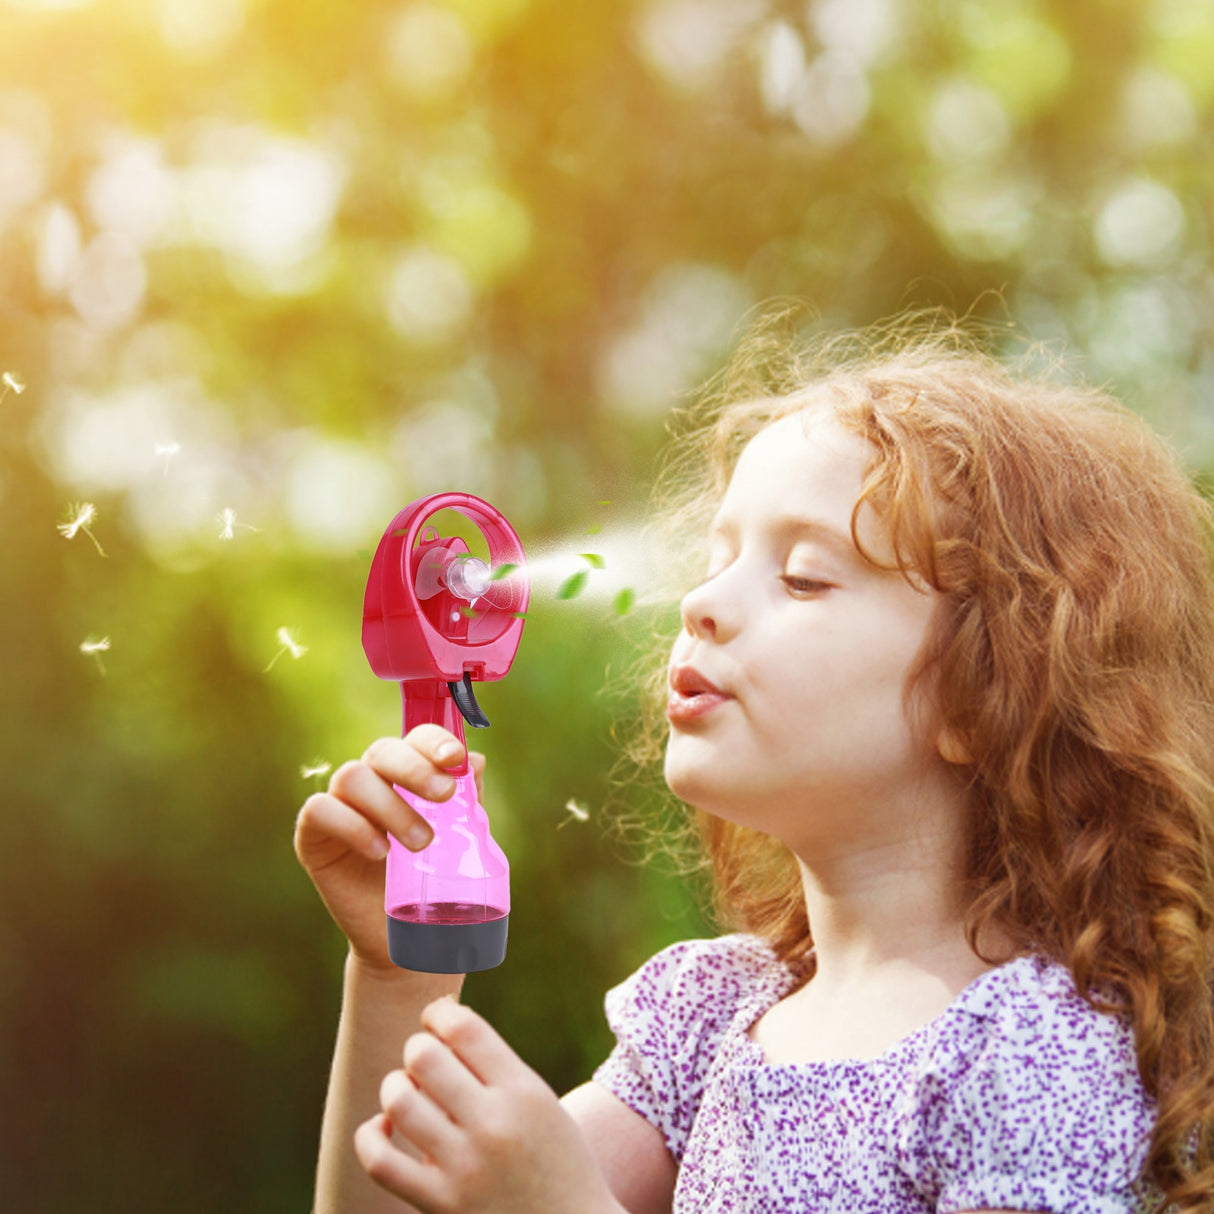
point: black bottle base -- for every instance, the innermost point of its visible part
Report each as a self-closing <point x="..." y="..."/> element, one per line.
<point x="447" y="948"/>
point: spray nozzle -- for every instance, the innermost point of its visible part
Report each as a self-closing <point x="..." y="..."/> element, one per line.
<point x="468" y="577"/>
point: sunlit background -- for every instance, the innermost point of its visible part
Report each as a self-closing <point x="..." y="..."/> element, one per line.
<point x="272" y="270"/>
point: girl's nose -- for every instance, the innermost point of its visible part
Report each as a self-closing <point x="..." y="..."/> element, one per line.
<point x="703" y="609"/>
<point x="699" y="625"/>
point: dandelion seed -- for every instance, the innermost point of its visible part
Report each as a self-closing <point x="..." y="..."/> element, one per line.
<point x="289" y="643"/>
<point x="577" y="810"/>
<point x="315" y="770"/>
<point x="83" y="513"/>
<point x="11" y="384"/>
<point x="95" y="648"/>
<point x="227" y="517"/>
<point x="167" y="450"/>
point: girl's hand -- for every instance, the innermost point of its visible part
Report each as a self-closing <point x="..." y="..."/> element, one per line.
<point x="493" y="1136"/>
<point x="341" y="835"/>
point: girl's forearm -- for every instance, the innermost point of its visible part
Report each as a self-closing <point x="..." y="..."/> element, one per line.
<point x="378" y="1013"/>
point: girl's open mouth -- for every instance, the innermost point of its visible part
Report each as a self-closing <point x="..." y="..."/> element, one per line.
<point x="682" y="707"/>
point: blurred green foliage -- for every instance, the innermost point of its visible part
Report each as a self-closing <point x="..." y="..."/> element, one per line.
<point x="306" y="262"/>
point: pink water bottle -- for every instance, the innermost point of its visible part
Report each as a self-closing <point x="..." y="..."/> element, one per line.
<point x="437" y="620"/>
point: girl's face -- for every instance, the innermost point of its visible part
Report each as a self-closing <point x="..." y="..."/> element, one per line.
<point x="812" y="746"/>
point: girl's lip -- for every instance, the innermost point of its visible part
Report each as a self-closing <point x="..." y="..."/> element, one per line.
<point x="680" y="707"/>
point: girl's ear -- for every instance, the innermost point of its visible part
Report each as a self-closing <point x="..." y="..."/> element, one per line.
<point x="952" y="749"/>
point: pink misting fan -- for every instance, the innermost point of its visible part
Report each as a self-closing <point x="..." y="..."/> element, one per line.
<point x="437" y="620"/>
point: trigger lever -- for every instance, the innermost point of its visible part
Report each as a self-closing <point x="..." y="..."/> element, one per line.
<point x="465" y="701"/>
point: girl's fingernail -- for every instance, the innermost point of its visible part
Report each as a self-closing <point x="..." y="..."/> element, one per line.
<point x="439" y="785"/>
<point x="379" y="848"/>
<point x="448" y="750"/>
<point x="418" y="837"/>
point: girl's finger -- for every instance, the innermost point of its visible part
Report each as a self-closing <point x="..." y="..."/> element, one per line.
<point x="358" y="786"/>
<point x="413" y="1180"/>
<point x="416" y="1117"/>
<point x="444" y="1079"/>
<point x="476" y="1046"/>
<point x="326" y="829"/>
<point x="399" y="761"/>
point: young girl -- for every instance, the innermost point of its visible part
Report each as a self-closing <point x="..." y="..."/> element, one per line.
<point x="942" y="705"/>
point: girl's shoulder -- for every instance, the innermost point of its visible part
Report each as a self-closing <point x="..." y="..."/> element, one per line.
<point x="1033" y="998"/>
<point x="721" y="963"/>
<point x="698" y="985"/>
<point x="740" y="953"/>
<point x="1024" y="1027"/>
<point x="1025" y="1090"/>
<point x="670" y="1017"/>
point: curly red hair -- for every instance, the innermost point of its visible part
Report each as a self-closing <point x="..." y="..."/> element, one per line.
<point x="1073" y="654"/>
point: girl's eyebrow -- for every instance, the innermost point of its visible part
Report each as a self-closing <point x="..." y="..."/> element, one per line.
<point x="785" y="524"/>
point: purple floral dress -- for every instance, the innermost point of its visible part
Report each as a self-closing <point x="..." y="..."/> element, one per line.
<point x="1017" y="1096"/>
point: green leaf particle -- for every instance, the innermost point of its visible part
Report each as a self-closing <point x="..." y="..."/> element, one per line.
<point x="624" y="600"/>
<point x="594" y="528"/>
<point x="469" y="613"/>
<point x="594" y="558"/>
<point x="572" y="586"/>
<point x="518" y="615"/>
<point x="502" y="571"/>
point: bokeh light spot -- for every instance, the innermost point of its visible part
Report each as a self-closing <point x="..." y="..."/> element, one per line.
<point x="864" y="30"/>
<point x="1015" y="51"/>
<point x="1157" y="110"/>
<point x="833" y="99"/>
<point x="428" y="297"/>
<point x="132" y="192"/>
<point x="1141" y="224"/>
<point x="984" y="216"/>
<point x="59" y="248"/>
<point x="200" y="27"/>
<point x="781" y="66"/>
<point x="429" y="51"/>
<point x="337" y="492"/>
<point x="686" y="317"/>
<point x="108" y="284"/>
<point x="474" y="221"/>
<point x="966" y="121"/>
<point x="687" y="41"/>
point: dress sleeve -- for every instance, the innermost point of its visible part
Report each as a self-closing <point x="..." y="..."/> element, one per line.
<point x="668" y="1018"/>
<point x="1031" y="1102"/>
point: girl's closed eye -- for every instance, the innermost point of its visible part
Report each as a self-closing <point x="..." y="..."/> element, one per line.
<point x="801" y="585"/>
<point x="804" y="584"/>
